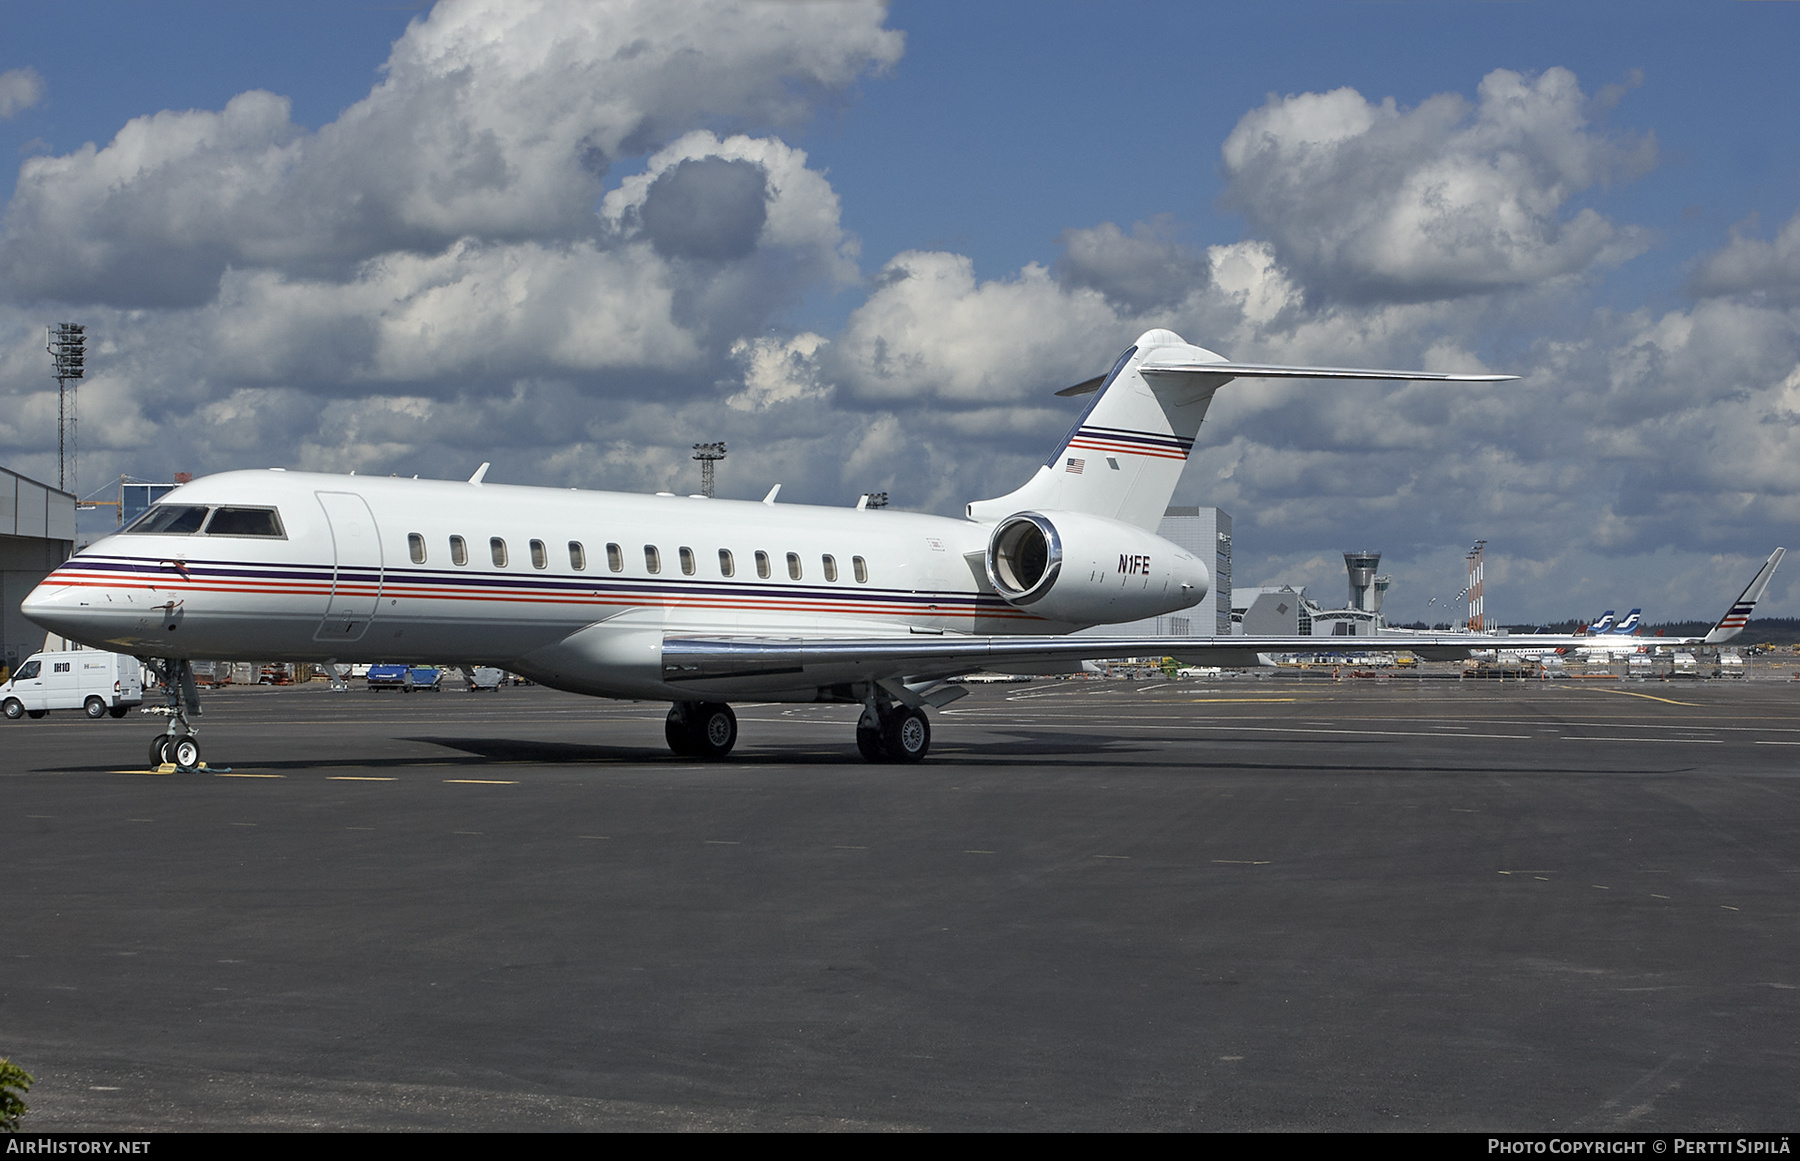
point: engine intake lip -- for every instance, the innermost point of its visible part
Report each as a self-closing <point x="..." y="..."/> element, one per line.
<point x="1024" y="557"/>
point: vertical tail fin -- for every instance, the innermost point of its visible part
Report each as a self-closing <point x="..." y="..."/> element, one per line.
<point x="1630" y="624"/>
<point x="1124" y="456"/>
<point x="1602" y="626"/>
<point x="1732" y="623"/>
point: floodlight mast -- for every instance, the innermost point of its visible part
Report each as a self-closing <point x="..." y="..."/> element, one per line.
<point x="708" y="454"/>
<point x="67" y="345"/>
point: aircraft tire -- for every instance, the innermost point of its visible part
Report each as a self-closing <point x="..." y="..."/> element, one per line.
<point x="94" y="708"/>
<point x="703" y="729"/>
<point x="14" y="709"/>
<point x="119" y="711"/>
<point x="676" y="732"/>
<point x="907" y="735"/>
<point x="159" y="750"/>
<point x="185" y="753"/>
<point x="715" y="729"/>
<point x="868" y="743"/>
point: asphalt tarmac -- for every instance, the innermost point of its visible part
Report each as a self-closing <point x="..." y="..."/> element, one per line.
<point x="1225" y="904"/>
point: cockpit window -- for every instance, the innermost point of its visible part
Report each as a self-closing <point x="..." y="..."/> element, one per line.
<point x="244" y="522"/>
<point x="171" y="519"/>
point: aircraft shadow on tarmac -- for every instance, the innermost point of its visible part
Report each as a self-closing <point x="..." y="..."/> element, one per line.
<point x="1005" y="748"/>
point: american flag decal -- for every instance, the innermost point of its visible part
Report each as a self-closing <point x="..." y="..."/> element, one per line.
<point x="1075" y="466"/>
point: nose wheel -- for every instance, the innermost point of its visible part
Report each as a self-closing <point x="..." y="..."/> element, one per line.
<point x="178" y="746"/>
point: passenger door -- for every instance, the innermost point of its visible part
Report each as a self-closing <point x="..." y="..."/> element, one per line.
<point x="357" y="567"/>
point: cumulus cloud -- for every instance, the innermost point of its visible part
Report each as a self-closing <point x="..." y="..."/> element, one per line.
<point x="1371" y="202"/>
<point x="20" y="89"/>
<point x="496" y="121"/>
<point x="1748" y="265"/>
<point x="1138" y="271"/>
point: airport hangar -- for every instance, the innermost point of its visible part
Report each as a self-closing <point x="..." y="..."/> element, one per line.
<point x="37" y="533"/>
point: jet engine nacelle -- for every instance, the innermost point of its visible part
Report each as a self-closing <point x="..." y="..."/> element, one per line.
<point x="1088" y="570"/>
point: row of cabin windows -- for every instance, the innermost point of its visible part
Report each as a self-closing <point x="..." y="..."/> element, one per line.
<point x="615" y="559"/>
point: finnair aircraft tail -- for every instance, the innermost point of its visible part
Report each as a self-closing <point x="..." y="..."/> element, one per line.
<point x="1629" y="625"/>
<point x="1602" y="626"/>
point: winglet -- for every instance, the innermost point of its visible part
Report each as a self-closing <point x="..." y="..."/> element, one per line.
<point x="479" y="473"/>
<point x="1732" y="623"/>
<point x="770" y="498"/>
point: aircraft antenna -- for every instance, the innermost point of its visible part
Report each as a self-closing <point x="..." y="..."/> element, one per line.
<point x="67" y="345"/>
<point x="708" y="454"/>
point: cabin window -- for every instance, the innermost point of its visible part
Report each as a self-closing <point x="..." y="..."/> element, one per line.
<point x="861" y="568"/>
<point x="615" y="558"/>
<point x="577" y="556"/>
<point x="727" y="566"/>
<point x="540" y="557"/>
<point x="793" y="566"/>
<point x="687" y="561"/>
<point x="497" y="550"/>
<point x="830" y="563"/>
<point x="245" y="522"/>
<point x="459" y="551"/>
<point x="762" y="564"/>
<point x="652" y="559"/>
<point x="169" y="519"/>
<point x="415" y="547"/>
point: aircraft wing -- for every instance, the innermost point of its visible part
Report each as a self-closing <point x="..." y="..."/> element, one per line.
<point x="816" y="661"/>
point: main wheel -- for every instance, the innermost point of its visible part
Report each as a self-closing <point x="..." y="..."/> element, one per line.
<point x="14" y="708"/>
<point x="159" y="750"/>
<point x="95" y="707"/>
<point x="677" y="733"/>
<point x="715" y="729"/>
<point x="907" y="735"/>
<point x="701" y="729"/>
<point x="868" y="743"/>
<point x="185" y="753"/>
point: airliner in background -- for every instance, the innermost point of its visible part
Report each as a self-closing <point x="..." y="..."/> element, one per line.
<point x="691" y="600"/>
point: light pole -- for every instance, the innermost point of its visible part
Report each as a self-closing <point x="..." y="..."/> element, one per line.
<point x="67" y="344"/>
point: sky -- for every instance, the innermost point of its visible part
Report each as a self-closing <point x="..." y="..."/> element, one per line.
<point x="864" y="245"/>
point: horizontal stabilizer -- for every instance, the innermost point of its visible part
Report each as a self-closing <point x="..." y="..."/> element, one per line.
<point x="1278" y="371"/>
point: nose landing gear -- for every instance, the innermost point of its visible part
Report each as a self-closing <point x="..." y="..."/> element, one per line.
<point x="179" y="746"/>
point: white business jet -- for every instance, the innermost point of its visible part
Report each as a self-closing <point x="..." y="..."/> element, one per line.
<point x="689" y="600"/>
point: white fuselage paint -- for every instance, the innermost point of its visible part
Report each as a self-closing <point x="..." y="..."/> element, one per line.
<point x="342" y="583"/>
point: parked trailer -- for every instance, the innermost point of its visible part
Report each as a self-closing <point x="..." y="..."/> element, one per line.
<point x="90" y="680"/>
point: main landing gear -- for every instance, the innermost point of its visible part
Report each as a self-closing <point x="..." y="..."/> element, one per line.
<point x="892" y="733"/>
<point x="179" y="745"/>
<point x="887" y="731"/>
<point x="701" y="729"/>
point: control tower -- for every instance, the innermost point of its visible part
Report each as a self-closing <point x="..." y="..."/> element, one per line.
<point x="1366" y="589"/>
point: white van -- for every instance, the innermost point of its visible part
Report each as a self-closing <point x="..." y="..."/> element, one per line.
<point x="84" y="679"/>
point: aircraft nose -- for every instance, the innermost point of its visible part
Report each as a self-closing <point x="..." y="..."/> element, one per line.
<point x="52" y="605"/>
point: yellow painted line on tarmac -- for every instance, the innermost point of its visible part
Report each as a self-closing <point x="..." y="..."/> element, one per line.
<point x="222" y="774"/>
<point x="483" y="781"/>
<point x="357" y="778"/>
<point x="153" y="772"/>
<point x="1650" y="696"/>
